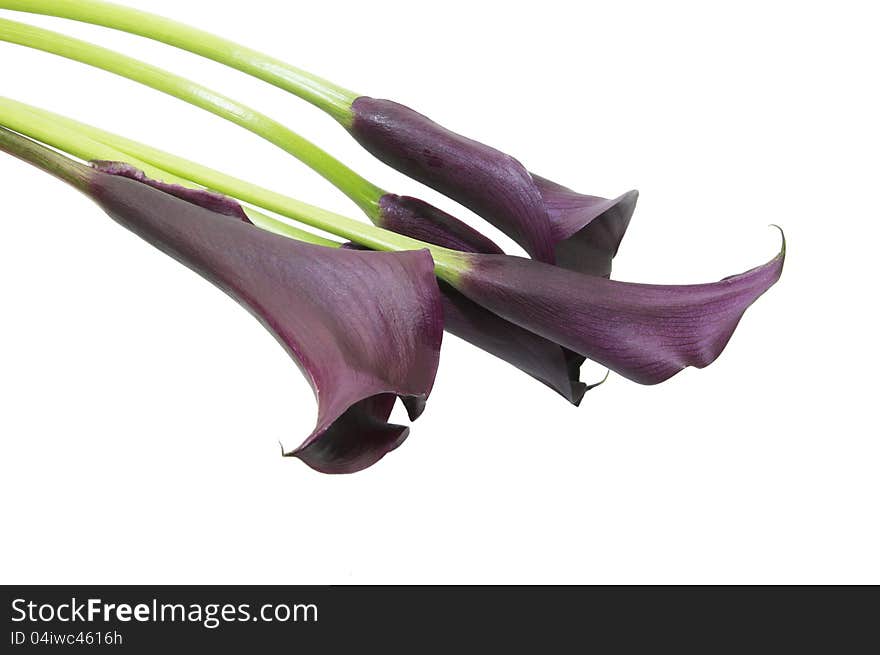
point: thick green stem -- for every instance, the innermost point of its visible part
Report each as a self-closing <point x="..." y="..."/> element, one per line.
<point x="89" y="142"/>
<point x="361" y="191"/>
<point x="266" y="222"/>
<point x="14" y="116"/>
<point x="325" y="95"/>
<point x="72" y="172"/>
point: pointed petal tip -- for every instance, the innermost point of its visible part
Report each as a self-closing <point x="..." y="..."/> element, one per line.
<point x="628" y="202"/>
<point x="580" y="389"/>
<point x="576" y="388"/>
<point x="415" y="405"/>
<point x="782" y="234"/>
<point x="602" y="381"/>
<point x="755" y="282"/>
<point x="772" y="267"/>
<point x="620" y="212"/>
<point x="359" y="437"/>
<point x="392" y="434"/>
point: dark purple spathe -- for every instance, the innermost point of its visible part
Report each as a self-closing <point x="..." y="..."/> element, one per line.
<point x="645" y="332"/>
<point x="549" y="221"/>
<point x="587" y="230"/>
<point x="547" y="362"/>
<point x="364" y="327"/>
<point x="418" y="220"/>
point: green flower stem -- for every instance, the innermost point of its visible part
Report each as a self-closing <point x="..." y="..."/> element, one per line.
<point x="79" y="174"/>
<point x="91" y="149"/>
<point x="88" y="142"/>
<point x="365" y="194"/>
<point x="325" y="95"/>
<point x="72" y="172"/>
<point x="270" y="224"/>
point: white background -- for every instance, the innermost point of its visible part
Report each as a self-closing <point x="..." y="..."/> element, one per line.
<point x="141" y="409"/>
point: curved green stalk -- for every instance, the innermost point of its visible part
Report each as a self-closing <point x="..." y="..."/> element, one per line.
<point x="266" y="222"/>
<point x="72" y="172"/>
<point x="325" y="95"/>
<point x="157" y="159"/>
<point x="88" y="149"/>
<point x="88" y="142"/>
<point x="361" y="191"/>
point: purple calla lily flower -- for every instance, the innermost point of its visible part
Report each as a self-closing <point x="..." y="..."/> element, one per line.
<point x="645" y="332"/>
<point x="377" y="340"/>
<point x="554" y="224"/>
<point x="364" y="327"/>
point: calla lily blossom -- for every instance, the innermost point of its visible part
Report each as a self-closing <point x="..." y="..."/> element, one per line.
<point x="551" y="222"/>
<point x="364" y="327"/>
<point x="645" y="332"/>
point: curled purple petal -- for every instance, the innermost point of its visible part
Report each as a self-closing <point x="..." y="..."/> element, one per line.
<point x="645" y="332"/>
<point x="587" y="229"/>
<point x="356" y="438"/>
<point x="211" y="201"/>
<point x="365" y="327"/>
<point x="548" y="220"/>
<point x="547" y="362"/>
<point x="419" y="220"/>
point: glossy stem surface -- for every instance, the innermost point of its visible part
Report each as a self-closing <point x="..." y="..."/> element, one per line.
<point x="325" y="95"/>
<point x="58" y="135"/>
<point x="365" y="194"/>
